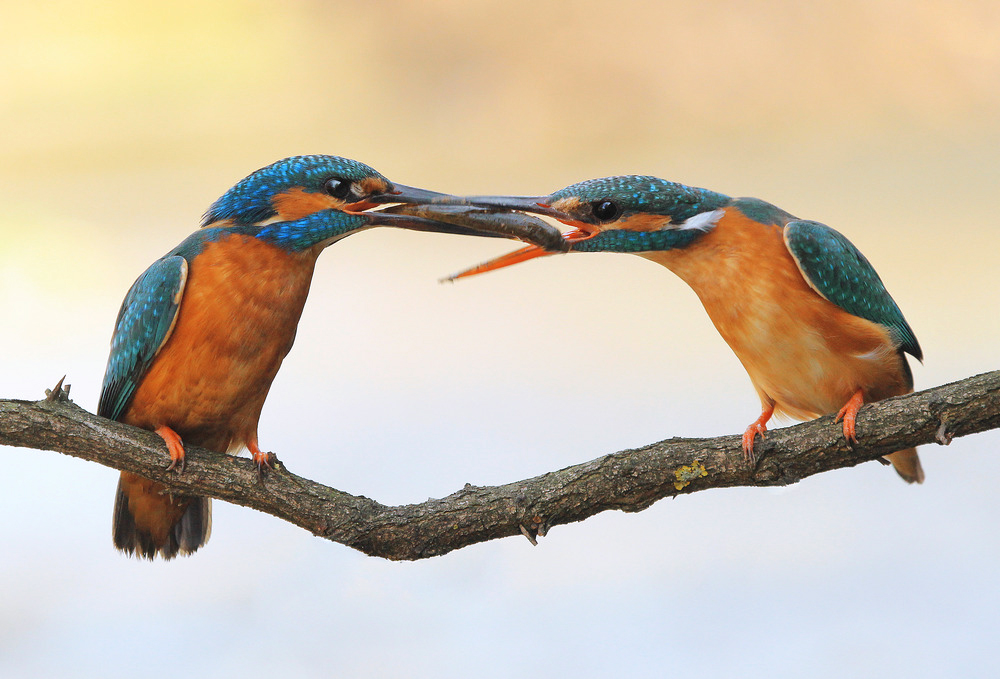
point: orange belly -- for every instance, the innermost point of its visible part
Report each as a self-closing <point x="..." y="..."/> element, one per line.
<point x="236" y="322"/>
<point x="804" y="354"/>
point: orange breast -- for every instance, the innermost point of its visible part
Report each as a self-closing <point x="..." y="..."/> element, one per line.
<point x="803" y="353"/>
<point x="236" y="323"/>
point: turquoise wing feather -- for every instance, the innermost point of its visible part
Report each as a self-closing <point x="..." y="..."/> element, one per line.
<point x="144" y="324"/>
<point x="838" y="271"/>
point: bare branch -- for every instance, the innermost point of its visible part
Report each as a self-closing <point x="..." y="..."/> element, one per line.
<point x="630" y="480"/>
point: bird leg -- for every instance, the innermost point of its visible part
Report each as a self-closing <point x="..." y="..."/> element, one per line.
<point x="849" y="413"/>
<point x="759" y="426"/>
<point x="175" y="447"/>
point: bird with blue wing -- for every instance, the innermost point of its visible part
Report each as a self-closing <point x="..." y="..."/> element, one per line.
<point x="202" y="332"/>
<point x="804" y="311"/>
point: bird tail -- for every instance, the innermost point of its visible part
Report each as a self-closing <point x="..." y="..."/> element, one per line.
<point x="907" y="464"/>
<point x="150" y="520"/>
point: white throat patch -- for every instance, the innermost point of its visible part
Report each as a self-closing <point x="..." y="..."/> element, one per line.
<point x="703" y="221"/>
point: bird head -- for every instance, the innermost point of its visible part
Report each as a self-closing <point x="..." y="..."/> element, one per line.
<point x="304" y="201"/>
<point x="631" y="213"/>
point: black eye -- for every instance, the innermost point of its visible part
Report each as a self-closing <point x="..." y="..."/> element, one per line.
<point x="605" y="210"/>
<point x="337" y="187"/>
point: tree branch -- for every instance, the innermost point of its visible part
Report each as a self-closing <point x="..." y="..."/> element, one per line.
<point x="630" y="480"/>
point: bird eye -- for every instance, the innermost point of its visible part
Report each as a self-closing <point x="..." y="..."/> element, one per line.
<point x="337" y="187"/>
<point x="605" y="210"/>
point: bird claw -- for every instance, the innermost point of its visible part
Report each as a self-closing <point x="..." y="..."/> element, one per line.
<point x="748" y="440"/>
<point x="758" y="426"/>
<point x="175" y="447"/>
<point x="849" y="413"/>
<point x="179" y="467"/>
<point x="266" y="462"/>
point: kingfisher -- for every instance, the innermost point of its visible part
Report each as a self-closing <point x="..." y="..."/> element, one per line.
<point x="801" y="307"/>
<point x="202" y="332"/>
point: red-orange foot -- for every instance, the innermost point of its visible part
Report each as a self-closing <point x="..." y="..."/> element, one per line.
<point x="174" y="446"/>
<point x="849" y="413"/>
<point x="264" y="461"/>
<point x="759" y="426"/>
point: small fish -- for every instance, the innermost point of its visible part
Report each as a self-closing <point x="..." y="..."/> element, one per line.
<point x="501" y="224"/>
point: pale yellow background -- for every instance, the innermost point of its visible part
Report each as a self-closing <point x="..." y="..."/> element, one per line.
<point x="121" y="122"/>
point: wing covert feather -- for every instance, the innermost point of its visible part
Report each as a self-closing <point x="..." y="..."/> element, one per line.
<point x="838" y="271"/>
<point x="144" y="324"/>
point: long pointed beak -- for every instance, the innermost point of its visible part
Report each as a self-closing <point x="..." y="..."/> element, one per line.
<point x="539" y="205"/>
<point x="409" y="195"/>
<point x="469" y="221"/>
<point x="516" y="257"/>
<point x="523" y="255"/>
<point x="490" y="215"/>
<point x="399" y="193"/>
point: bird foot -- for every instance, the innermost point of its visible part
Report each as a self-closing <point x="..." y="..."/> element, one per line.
<point x="748" y="439"/>
<point x="759" y="426"/>
<point x="178" y="461"/>
<point x="265" y="461"/>
<point x="849" y="413"/>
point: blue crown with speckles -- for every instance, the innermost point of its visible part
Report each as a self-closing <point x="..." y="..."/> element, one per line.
<point x="249" y="201"/>
<point x="643" y="193"/>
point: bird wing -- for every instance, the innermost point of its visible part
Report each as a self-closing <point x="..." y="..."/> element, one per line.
<point x="838" y="271"/>
<point x="144" y="324"/>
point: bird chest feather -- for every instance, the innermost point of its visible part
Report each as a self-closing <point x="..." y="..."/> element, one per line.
<point x="236" y="323"/>
<point x="802" y="352"/>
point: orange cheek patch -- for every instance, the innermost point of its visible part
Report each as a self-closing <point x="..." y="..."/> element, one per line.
<point x="360" y="206"/>
<point x="296" y="204"/>
<point x="372" y="185"/>
<point x="643" y="222"/>
<point x="567" y="205"/>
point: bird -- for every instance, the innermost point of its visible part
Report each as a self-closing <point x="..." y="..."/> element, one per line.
<point x="800" y="306"/>
<point x="202" y="332"/>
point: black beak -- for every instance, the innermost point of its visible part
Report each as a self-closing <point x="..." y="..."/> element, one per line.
<point x="409" y="195"/>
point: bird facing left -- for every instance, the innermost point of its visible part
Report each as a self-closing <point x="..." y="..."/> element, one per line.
<point x="202" y="332"/>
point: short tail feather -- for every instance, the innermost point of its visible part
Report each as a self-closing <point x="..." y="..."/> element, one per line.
<point x="149" y="520"/>
<point x="907" y="465"/>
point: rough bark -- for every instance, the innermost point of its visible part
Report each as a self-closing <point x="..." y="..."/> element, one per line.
<point x="630" y="480"/>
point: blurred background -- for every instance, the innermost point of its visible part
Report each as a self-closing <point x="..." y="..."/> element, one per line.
<point x="123" y="121"/>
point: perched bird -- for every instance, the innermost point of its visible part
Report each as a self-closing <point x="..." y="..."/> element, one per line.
<point x="802" y="308"/>
<point x="202" y="332"/>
